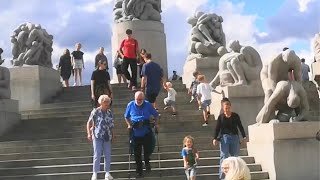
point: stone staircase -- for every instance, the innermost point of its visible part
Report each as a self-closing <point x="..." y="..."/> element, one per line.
<point x="51" y="144"/>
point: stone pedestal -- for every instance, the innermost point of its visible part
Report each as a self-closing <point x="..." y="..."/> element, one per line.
<point x="209" y="66"/>
<point x="315" y="70"/>
<point x="286" y="150"/>
<point x="33" y="85"/>
<point x="9" y="114"/>
<point x="150" y="36"/>
<point x="245" y="100"/>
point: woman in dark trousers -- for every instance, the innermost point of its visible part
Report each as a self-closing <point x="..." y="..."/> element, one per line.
<point x="65" y="67"/>
<point x="100" y="82"/>
<point x="227" y="127"/>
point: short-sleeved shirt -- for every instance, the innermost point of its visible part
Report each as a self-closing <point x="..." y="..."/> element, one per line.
<point x="154" y="74"/>
<point x="190" y="154"/>
<point x="129" y="48"/>
<point x="100" y="57"/>
<point x="100" y="77"/>
<point x="205" y="90"/>
<point x="103" y="123"/>
<point x="305" y="72"/>
<point x="172" y="94"/>
<point x="77" y="54"/>
<point x="138" y="114"/>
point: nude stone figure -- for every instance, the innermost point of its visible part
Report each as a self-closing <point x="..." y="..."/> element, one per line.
<point x="5" y="92"/>
<point x="128" y="10"/>
<point x="277" y="70"/>
<point x="241" y="66"/>
<point x="287" y="96"/>
<point x="206" y="35"/>
<point x="32" y="45"/>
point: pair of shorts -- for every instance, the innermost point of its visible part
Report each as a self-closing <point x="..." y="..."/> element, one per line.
<point x="205" y="103"/>
<point x="78" y="64"/>
<point x="151" y="97"/>
<point x="119" y="70"/>
<point x="191" y="172"/>
<point x="168" y="102"/>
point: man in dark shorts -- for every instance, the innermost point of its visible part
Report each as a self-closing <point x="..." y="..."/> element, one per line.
<point x="152" y="75"/>
<point x="129" y="51"/>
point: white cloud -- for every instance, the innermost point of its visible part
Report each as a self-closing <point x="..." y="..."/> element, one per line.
<point x="303" y="4"/>
<point x="187" y="7"/>
<point x="94" y="6"/>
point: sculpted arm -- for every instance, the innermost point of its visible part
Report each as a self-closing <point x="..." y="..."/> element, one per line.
<point x="265" y="113"/>
<point x="304" y="105"/>
<point x="272" y="71"/>
<point x="297" y="71"/>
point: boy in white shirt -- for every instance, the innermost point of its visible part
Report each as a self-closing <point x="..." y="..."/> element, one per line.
<point x="170" y="101"/>
<point x="204" y="95"/>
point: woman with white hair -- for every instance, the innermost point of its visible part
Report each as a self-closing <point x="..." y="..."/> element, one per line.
<point x="100" y="131"/>
<point x="235" y="168"/>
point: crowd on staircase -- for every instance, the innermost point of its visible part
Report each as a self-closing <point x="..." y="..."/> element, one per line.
<point x="142" y="114"/>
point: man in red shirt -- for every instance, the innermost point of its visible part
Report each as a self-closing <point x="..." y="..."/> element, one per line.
<point x="129" y="50"/>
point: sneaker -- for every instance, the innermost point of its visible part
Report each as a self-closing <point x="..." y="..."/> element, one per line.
<point x="134" y="88"/>
<point x="192" y="98"/>
<point x="174" y="114"/>
<point x="165" y="108"/>
<point x="129" y="85"/>
<point x="75" y="84"/>
<point x="148" y="167"/>
<point x="94" y="176"/>
<point x="200" y="108"/>
<point x="204" y="124"/>
<point x="108" y="176"/>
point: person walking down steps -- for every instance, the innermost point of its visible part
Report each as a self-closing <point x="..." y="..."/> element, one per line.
<point x="170" y="101"/>
<point x="190" y="157"/>
<point x="100" y="131"/>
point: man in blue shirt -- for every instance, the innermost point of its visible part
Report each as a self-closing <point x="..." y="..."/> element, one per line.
<point x="152" y="75"/>
<point x="137" y="116"/>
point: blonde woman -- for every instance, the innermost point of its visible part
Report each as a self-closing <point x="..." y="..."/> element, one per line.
<point x="78" y="64"/>
<point x="235" y="168"/>
<point x="65" y="67"/>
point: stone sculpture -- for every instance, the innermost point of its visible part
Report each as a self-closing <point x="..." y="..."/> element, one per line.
<point x="316" y="47"/>
<point x="286" y="98"/>
<point x="284" y="93"/>
<point x="241" y="66"/>
<point x="277" y="70"/>
<point x="31" y="45"/>
<point x="206" y="35"/>
<point x="5" y="92"/>
<point x="128" y="10"/>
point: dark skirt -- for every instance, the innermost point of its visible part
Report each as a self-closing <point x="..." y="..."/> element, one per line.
<point x="65" y="74"/>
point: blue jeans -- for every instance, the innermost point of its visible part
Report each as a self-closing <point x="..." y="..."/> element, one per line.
<point x="99" y="146"/>
<point x="229" y="146"/>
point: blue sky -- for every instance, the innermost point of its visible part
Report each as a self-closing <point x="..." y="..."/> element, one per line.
<point x="267" y="25"/>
